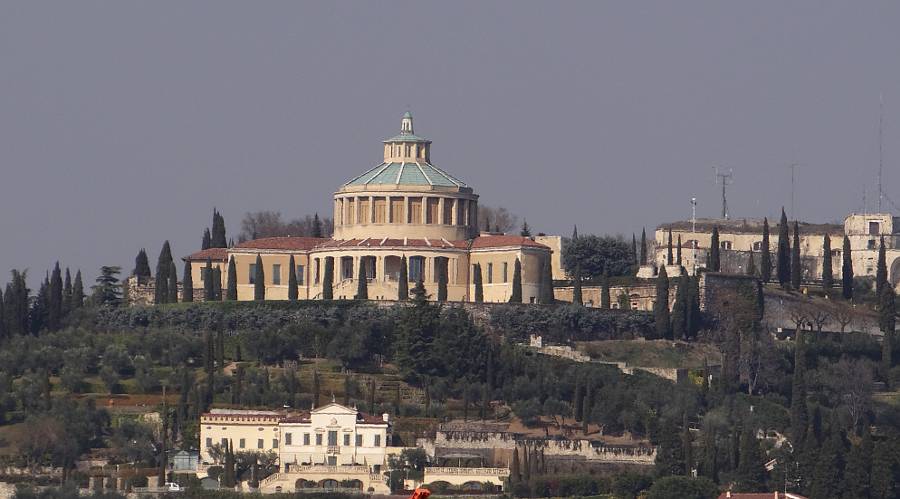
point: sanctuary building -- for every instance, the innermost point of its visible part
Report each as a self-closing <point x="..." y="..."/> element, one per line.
<point x="405" y="210"/>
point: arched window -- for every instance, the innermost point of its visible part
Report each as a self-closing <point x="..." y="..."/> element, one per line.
<point x="757" y="246"/>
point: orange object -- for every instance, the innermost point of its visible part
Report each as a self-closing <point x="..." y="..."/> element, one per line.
<point x="420" y="493"/>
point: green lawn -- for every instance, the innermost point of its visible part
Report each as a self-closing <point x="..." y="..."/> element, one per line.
<point x="657" y="353"/>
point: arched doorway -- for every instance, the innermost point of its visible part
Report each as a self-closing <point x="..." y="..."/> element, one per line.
<point x="894" y="274"/>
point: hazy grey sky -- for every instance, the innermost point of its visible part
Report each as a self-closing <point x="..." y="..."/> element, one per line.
<point x="123" y="123"/>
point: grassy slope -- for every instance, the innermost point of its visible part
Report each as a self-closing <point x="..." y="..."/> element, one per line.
<point x="657" y="353"/>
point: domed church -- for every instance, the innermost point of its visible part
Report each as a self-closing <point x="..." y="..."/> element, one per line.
<point x="405" y="209"/>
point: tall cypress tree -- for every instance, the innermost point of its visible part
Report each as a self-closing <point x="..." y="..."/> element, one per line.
<point x="887" y="322"/>
<point x="751" y="265"/>
<point x="77" y="291"/>
<point x="293" y="292"/>
<point x="783" y="257"/>
<point x="634" y="251"/>
<point x="678" y="251"/>
<point x="187" y="284"/>
<point x="55" y="299"/>
<point x="328" y="279"/>
<point x="714" y="255"/>
<point x="827" y="272"/>
<point x="163" y="265"/>
<point x="476" y="280"/>
<point x="604" y="291"/>
<point x="765" y="260"/>
<point x="881" y="269"/>
<point x="546" y="295"/>
<point x="442" y="270"/>
<point x="516" y="296"/>
<point x="670" y="258"/>
<point x="67" y="294"/>
<point x="679" y="309"/>
<point x="847" y="270"/>
<point x="751" y="471"/>
<point x="362" y="283"/>
<point x="142" y="266"/>
<point x="643" y="247"/>
<point x="403" y="280"/>
<point x="218" y="239"/>
<point x="207" y="239"/>
<point x="259" y="280"/>
<point x="857" y="472"/>
<point x="173" y="283"/>
<point x="317" y="227"/>
<point x="232" y="280"/>
<point x="795" y="258"/>
<point x="3" y="333"/>
<point x="799" y="411"/>
<point x="661" y="306"/>
<point x="209" y="291"/>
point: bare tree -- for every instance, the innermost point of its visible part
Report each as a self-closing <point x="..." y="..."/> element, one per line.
<point x="818" y="315"/>
<point x="758" y="359"/>
<point x="260" y="224"/>
<point x="496" y="219"/>
<point x="843" y="314"/>
<point x="848" y="386"/>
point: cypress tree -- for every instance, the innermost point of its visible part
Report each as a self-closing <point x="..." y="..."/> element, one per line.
<point x="751" y="265"/>
<point x="232" y="280"/>
<point x="317" y="227"/>
<point x="678" y="251"/>
<point x="587" y="406"/>
<point x="163" y="265"/>
<point x="173" y="283"/>
<point x="479" y="289"/>
<point x="77" y="291"/>
<point x="604" y="291"/>
<point x="882" y="478"/>
<point x="546" y="295"/>
<point x="661" y="306"/>
<point x="441" y="268"/>
<point x="55" y="299"/>
<point x="220" y="350"/>
<point x="888" y="323"/>
<point x="670" y="258"/>
<point x="217" y="283"/>
<point x="692" y="309"/>
<point x="293" y="292"/>
<point x="714" y="256"/>
<point x="403" y="281"/>
<point x="207" y="239"/>
<point x="187" y="284"/>
<point x="218" y="239"/>
<point x="857" y="473"/>
<point x="670" y="452"/>
<point x="3" y="332"/>
<point x="783" y="257"/>
<point x="577" y="297"/>
<point x="643" y="247"/>
<point x="847" y="270"/>
<point x="362" y="283"/>
<point x="799" y="411"/>
<point x="751" y="472"/>
<point x="514" y="472"/>
<point x="687" y="443"/>
<point x="516" y="296"/>
<point x="795" y="258"/>
<point x="525" y="232"/>
<point x="765" y="260"/>
<point x="259" y="280"/>
<point x="209" y="292"/>
<point x="881" y="269"/>
<point x="578" y="400"/>
<point x="679" y="309"/>
<point x="828" y="469"/>
<point x="827" y="275"/>
<point x="634" y="250"/>
<point x="328" y="279"/>
<point x="142" y="266"/>
<point x="67" y="294"/>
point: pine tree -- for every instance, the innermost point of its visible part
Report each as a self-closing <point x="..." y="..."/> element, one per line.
<point x="604" y="291"/>
<point x="546" y="292"/>
<point x="187" y="284"/>
<point x="827" y="273"/>
<point x="293" y="292"/>
<point x="678" y="251"/>
<point x="442" y="275"/>
<point x="163" y="264"/>
<point x="362" y="282"/>
<point x="847" y="270"/>
<point x="55" y="299"/>
<point x="259" y="280"/>
<point x="783" y="257"/>
<point x="679" y="309"/>
<point x="661" y="306"/>
<point x="525" y="232"/>
<point x="751" y="265"/>
<point x="881" y="269"/>
<point x="328" y="279"/>
<point x="218" y="239"/>
<point x="207" y="239"/>
<point x="232" y="280"/>
<point x="751" y="472"/>
<point x="796" y="269"/>
<point x="516" y="296"/>
<point x="479" y="288"/>
<point x="403" y="281"/>
<point x="173" y="283"/>
<point x="714" y="256"/>
<point x="209" y="292"/>
<point x="670" y="257"/>
<point x="317" y="227"/>
<point x="765" y="261"/>
<point x="643" y="247"/>
<point x="77" y="291"/>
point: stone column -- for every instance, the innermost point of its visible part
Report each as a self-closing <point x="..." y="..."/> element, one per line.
<point x="406" y="212"/>
<point x="371" y="209"/>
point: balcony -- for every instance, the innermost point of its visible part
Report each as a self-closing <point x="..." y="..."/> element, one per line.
<point x="333" y="450"/>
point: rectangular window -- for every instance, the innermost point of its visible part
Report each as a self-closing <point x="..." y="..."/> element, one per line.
<point x="380" y="211"/>
<point x="203" y="274"/>
<point x="490" y="273"/>
<point x="365" y="211"/>
<point x="252" y="269"/>
<point x="318" y="439"/>
<point x="874" y="228"/>
<point x="241" y="444"/>
<point x="332" y="438"/>
<point x="306" y="439"/>
<point x="276" y="274"/>
<point x="208" y="442"/>
<point x="505" y="272"/>
<point x="432" y="215"/>
<point x="287" y="439"/>
<point x="317" y="271"/>
<point x="415" y="211"/>
<point x="377" y="440"/>
<point x="359" y="440"/>
<point x="259" y="444"/>
<point x="448" y="211"/>
<point x="224" y="441"/>
<point x="398" y="215"/>
<point x="416" y="268"/>
<point x="274" y="443"/>
<point x="347" y="439"/>
<point x="299" y="274"/>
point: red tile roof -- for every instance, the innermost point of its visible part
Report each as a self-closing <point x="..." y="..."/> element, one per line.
<point x="215" y="254"/>
<point x="504" y="241"/>
<point x="389" y="243"/>
<point x="282" y="243"/>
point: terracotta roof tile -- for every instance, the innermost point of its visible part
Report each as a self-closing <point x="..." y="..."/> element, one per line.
<point x="503" y="241"/>
<point x="215" y="254"/>
<point x="282" y="243"/>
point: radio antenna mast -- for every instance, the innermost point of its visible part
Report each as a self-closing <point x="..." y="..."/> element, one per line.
<point x="793" y="167"/>
<point x="725" y="179"/>
<point x="880" y="149"/>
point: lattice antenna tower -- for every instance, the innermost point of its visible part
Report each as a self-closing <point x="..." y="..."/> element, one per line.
<point x="725" y="179"/>
<point x="880" y="149"/>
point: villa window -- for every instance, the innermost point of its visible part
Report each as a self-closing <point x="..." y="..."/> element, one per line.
<point x="757" y="246"/>
<point x="306" y="439"/>
<point x="242" y="443"/>
<point x="224" y="441"/>
<point x="836" y="253"/>
<point x="505" y="272"/>
<point x="332" y="438"/>
<point x="259" y="443"/>
<point x="490" y="273"/>
<point x="299" y="274"/>
<point x="208" y="442"/>
<point x="252" y="278"/>
<point x="359" y="440"/>
<point x="276" y="274"/>
<point x="416" y="268"/>
<point x="347" y="267"/>
<point x="377" y="440"/>
<point x="726" y="245"/>
<point x="318" y="439"/>
<point x="874" y="228"/>
<point x="287" y="439"/>
<point x="347" y="439"/>
<point x="871" y="244"/>
<point x="274" y="443"/>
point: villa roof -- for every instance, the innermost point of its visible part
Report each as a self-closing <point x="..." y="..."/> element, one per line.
<point x="419" y="174"/>
<point x="214" y="254"/>
<point x="282" y="243"/>
<point x="505" y="241"/>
